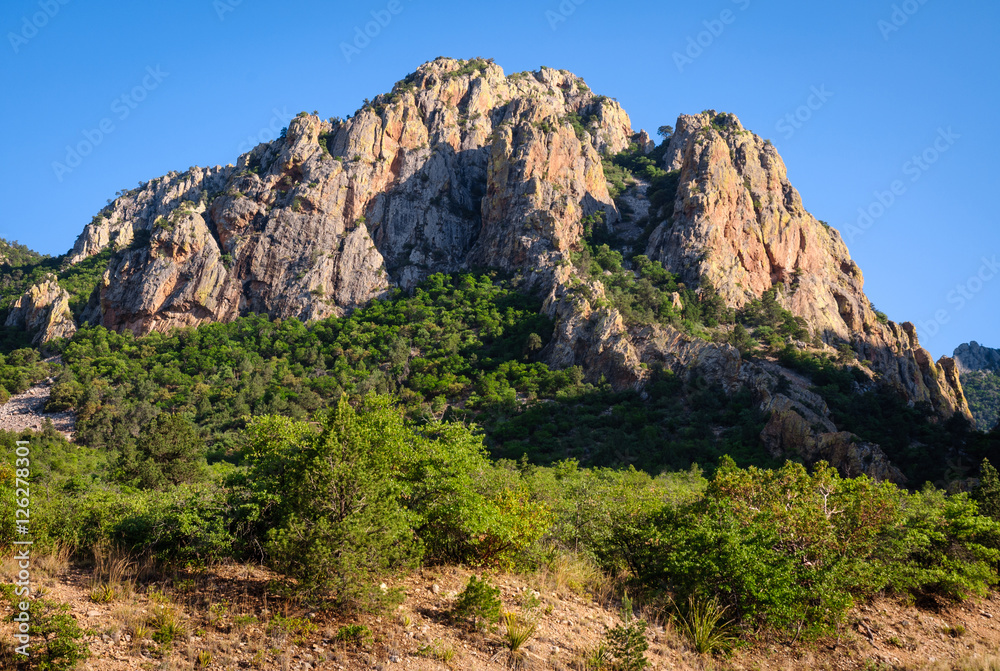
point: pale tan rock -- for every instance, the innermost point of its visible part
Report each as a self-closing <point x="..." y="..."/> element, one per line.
<point x="739" y="224"/>
<point x="43" y="311"/>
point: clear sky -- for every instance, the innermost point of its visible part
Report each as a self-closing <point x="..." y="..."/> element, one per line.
<point x="872" y="86"/>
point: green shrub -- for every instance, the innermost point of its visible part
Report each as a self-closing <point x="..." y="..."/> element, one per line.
<point x="791" y="550"/>
<point x="57" y="640"/>
<point x="328" y="502"/>
<point x="168" y="451"/>
<point x="626" y="644"/>
<point x="479" y="602"/>
<point x="356" y="634"/>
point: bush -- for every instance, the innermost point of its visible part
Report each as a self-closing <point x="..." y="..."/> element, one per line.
<point x="56" y="636"/>
<point x="327" y="501"/>
<point x="167" y="452"/>
<point x="790" y="550"/>
<point x="479" y="602"/>
<point x="626" y="643"/>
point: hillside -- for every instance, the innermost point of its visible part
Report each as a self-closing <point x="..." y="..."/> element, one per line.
<point x="485" y="327"/>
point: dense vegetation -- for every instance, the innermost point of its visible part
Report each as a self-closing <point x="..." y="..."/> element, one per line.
<point x="361" y="491"/>
<point x="461" y="347"/>
<point x="20" y="269"/>
<point x="15" y="255"/>
<point x="982" y="390"/>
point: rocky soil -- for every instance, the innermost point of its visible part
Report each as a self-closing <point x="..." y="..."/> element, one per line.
<point x="26" y="412"/>
<point x="231" y="615"/>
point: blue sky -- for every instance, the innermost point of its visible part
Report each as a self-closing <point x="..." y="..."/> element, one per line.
<point x="203" y="79"/>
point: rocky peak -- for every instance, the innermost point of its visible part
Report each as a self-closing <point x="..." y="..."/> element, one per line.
<point x="459" y="164"/>
<point x="972" y="356"/>
<point x="739" y="225"/>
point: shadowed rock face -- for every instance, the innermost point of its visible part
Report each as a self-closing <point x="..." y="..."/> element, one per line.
<point x="970" y="357"/>
<point x="461" y="166"/>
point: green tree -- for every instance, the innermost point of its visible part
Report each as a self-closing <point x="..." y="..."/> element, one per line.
<point x="987" y="495"/>
<point x="168" y="451"/>
<point x="330" y="499"/>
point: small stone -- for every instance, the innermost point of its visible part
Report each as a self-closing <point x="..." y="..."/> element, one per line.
<point x="435" y="588"/>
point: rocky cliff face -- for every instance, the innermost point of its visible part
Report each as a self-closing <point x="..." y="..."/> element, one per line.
<point x="971" y="357"/>
<point x="43" y="311"/>
<point x="739" y="224"/>
<point x="461" y="166"/>
<point x="458" y="165"/>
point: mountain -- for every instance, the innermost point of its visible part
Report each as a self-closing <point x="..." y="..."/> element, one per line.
<point x="463" y="168"/>
<point x="979" y="369"/>
<point x="970" y="357"/>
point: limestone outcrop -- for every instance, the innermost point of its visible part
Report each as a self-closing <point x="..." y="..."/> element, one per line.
<point x="44" y="311"/>
<point x="971" y="357"/>
<point x="739" y="224"/>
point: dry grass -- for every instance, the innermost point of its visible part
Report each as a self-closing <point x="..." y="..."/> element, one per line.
<point x="54" y="562"/>
<point x="570" y="573"/>
<point x="971" y="663"/>
<point x="113" y="576"/>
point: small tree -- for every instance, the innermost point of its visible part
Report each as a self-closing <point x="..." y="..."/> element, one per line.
<point x="626" y="643"/>
<point x="665" y="131"/>
<point x="168" y="451"/>
<point x="480" y="602"/>
<point x="328" y="499"/>
<point x="987" y="495"/>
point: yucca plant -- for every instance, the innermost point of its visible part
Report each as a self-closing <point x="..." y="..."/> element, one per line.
<point x="140" y="631"/>
<point x="705" y="626"/>
<point x="517" y="630"/>
<point x="103" y="593"/>
<point x="168" y="626"/>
